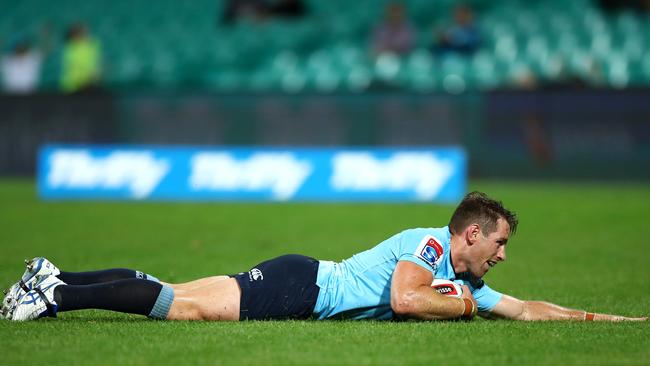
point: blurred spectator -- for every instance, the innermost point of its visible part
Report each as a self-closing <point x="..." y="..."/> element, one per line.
<point x="612" y="6"/>
<point x="463" y="37"/>
<point x="394" y="34"/>
<point x="21" y="68"/>
<point x="524" y="79"/>
<point x="81" y="60"/>
<point x="287" y="8"/>
<point x="259" y="10"/>
<point x="249" y="10"/>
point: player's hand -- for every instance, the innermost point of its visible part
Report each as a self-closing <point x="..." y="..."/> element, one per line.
<point x="618" y="318"/>
<point x="467" y="294"/>
<point x="642" y="319"/>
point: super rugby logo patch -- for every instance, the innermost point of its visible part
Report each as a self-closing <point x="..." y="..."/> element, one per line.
<point x="429" y="250"/>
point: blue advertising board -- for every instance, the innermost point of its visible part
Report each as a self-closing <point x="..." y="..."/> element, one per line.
<point x="124" y="172"/>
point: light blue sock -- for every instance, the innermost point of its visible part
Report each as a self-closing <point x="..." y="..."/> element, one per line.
<point x="163" y="303"/>
<point x="152" y="278"/>
<point x="146" y="276"/>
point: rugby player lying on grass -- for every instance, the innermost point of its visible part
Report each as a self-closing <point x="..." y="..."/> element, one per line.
<point x="391" y="280"/>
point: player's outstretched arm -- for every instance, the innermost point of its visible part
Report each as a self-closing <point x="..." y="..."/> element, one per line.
<point x="411" y="296"/>
<point x="511" y="308"/>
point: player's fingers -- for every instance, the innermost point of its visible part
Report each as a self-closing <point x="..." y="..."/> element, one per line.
<point x="645" y="318"/>
<point x="626" y="319"/>
<point x="467" y="293"/>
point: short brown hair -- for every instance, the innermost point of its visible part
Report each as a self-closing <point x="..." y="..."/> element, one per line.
<point x="478" y="208"/>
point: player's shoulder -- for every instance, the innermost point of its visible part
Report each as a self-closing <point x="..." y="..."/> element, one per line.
<point x="425" y="245"/>
<point x="416" y="236"/>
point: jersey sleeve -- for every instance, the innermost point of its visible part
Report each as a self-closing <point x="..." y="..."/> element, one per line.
<point x="486" y="297"/>
<point x="422" y="249"/>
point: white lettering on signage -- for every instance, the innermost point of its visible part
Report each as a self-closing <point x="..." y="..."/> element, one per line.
<point x="280" y="172"/>
<point x="422" y="172"/>
<point x="138" y="171"/>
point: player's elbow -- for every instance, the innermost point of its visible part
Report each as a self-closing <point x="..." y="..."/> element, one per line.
<point x="404" y="304"/>
<point x="544" y="311"/>
<point x="529" y="312"/>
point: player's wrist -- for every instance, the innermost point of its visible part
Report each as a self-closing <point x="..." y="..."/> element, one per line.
<point x="469" y="308"/>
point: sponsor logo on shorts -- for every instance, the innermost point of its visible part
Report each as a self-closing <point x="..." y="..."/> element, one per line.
<point x="255" y="274"/>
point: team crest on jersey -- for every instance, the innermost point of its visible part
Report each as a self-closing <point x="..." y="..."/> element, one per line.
<point x="429" y="250"/>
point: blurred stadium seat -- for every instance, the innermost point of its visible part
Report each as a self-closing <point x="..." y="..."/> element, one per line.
<point x="176" y="44"/>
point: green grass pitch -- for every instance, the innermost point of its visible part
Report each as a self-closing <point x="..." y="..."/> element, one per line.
<point x="579" y="245"/>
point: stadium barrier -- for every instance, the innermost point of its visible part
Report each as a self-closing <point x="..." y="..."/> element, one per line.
<point x="588" y="134"/>
<point x="245" y="174"/>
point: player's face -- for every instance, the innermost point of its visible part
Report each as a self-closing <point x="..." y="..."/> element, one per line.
<point x="489" y="250"/>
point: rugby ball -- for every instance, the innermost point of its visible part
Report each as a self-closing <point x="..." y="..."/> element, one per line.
<point x="447" y="288"/>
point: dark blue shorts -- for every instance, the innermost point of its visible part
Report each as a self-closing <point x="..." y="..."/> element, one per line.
<point x="280" y="288"/>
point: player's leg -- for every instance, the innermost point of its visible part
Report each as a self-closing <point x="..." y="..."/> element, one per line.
<point x="211" y="298"/>
<point x="217" y="299"/>
<point x="101" y="276"/>
<point x="49" y="296"/>
<point x="40" y="267"/>
<point x="132" y="296"/>
<point x="279" y="288"/>
<point x="197" y="284"/>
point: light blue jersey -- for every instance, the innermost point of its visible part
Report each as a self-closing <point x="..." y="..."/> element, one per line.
<point x="359" y="287"/>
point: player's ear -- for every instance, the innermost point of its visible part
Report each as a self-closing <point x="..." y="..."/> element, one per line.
<point x="472" y="232"/>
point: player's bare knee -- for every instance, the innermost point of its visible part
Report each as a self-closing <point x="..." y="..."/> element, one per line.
<point x="183" y="309"/>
